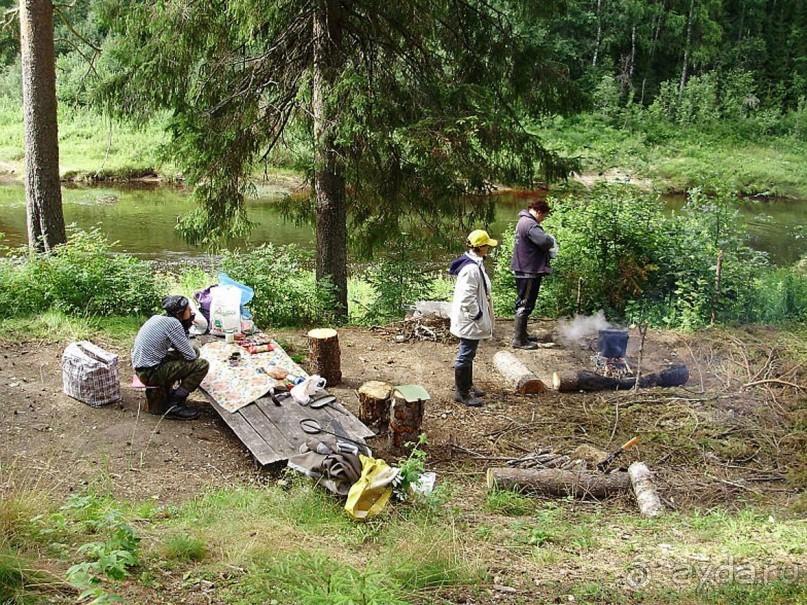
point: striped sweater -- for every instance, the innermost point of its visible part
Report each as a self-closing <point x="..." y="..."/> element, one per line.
<point x="156" y="337"/>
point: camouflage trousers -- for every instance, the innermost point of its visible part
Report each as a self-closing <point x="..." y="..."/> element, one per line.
<point x="176" y="368"/>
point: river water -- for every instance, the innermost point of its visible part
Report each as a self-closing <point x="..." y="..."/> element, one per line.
<point x="142" y="220"/>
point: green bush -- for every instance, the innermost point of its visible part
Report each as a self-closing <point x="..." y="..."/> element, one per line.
<point x="287" y="292"/>
<point x="631" y="258"/>
<point x="83" y="277"/>
<point x="611" y="239"/>
<point x="397" y="282"/>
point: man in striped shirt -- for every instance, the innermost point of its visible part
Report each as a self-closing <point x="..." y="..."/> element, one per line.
<point x="163" y="354"/>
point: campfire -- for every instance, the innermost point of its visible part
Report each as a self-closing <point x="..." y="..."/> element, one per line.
<point x="610" y="359"/>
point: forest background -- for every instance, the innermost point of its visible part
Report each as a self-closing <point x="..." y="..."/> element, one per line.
<point x="705" y="96"/>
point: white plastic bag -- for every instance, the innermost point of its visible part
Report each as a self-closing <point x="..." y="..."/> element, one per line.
<point x="225" y="310"/>
<point x="199" y="325"/>
<point x="301" y="393"/>
<point x="553" y="251"/>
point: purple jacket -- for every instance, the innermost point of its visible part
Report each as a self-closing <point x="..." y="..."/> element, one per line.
<point x="531" y="247"/>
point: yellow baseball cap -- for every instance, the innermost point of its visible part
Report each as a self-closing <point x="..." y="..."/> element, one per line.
<point x="479" y="238"/>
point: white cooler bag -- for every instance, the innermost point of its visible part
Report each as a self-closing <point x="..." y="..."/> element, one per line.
<point x="90" y="374"/>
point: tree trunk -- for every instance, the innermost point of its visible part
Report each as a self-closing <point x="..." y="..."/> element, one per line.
<point x="688" y="41"/>
<point x="374" y="403"/>
<point x="329" y="168"/>
<point x="406" y="418"/>
<point x="598" y="38"/>
<point x="557" y="482"/>
<point x="156" y="399"/>
<point x="43" y="194"/>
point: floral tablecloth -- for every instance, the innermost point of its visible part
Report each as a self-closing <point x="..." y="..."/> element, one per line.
<point x="234" y="386"/>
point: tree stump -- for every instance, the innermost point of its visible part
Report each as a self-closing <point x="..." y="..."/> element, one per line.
<point x="517" y="374"/>
<point x="156" y="399"/>
<point x="324" y="357"/>
<point x="374" y="403"/>
<point x="558" y="482"/>
<point x="406" y="418"/>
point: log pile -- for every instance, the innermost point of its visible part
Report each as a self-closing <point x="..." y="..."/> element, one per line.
<point x="429" y="327"/>
<point x="549" y="473"/>
<point x="584" y="457"/>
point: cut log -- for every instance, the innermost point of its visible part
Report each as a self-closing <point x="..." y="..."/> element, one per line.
<point x="517" y="374"/>
<point x="374" y="403"/>
<point x="584" y="380"/>
<point x="558" y="482"/>
<point x="645" y="490"/>
<point x="324" y="357"/>
<point x="406" y="418"/>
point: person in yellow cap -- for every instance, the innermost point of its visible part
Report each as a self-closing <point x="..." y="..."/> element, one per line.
<point x="471" y="312"/>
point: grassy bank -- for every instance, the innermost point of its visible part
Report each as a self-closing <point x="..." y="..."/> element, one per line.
<point x="91" y="147"/>
<point x="674" y="158"/>
<point x="666" y="157"/>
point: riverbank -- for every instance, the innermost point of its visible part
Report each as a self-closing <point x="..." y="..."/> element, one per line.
<point x="673" y="159"/>
<point x="93" y="149"/>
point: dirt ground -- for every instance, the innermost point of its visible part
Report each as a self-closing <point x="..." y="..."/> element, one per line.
<point x="712" y="427"/>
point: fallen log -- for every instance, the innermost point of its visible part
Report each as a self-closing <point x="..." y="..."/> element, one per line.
<point x="645" y="490"/>
<point x="584" y="380"/>
<point x="558" y="482"/>
<point x="517" y="374"/>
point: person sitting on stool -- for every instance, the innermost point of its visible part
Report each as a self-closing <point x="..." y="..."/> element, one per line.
<point x="163" y="354"/>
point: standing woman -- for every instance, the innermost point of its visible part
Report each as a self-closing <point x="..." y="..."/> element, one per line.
<point x="471" y="312"/>
<point x="532" y="250"/>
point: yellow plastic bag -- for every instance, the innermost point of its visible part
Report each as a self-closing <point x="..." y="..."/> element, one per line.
<point x="369" y="495"/>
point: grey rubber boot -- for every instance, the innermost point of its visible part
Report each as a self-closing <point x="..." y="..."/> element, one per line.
<point x="520" y="340"/>
<point x="462" y="382"/>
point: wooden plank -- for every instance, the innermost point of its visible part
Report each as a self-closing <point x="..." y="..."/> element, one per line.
<point x="353" y="426"/>
<point x="253" y="441"/>
<point x="273" y="434"/>
<point x="264" y="424"/>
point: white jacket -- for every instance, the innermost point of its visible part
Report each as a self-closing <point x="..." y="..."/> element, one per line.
<point x="471" y="310"/>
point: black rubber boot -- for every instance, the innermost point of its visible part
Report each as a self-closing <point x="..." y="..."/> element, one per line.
<point x="178" y="396"/>
<point x="474" y="391"/>
<point x="181" y="412"/>
<point x="462" y="382"/>
<point x="176" y="408"/>
<point x="520" y="340"/>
